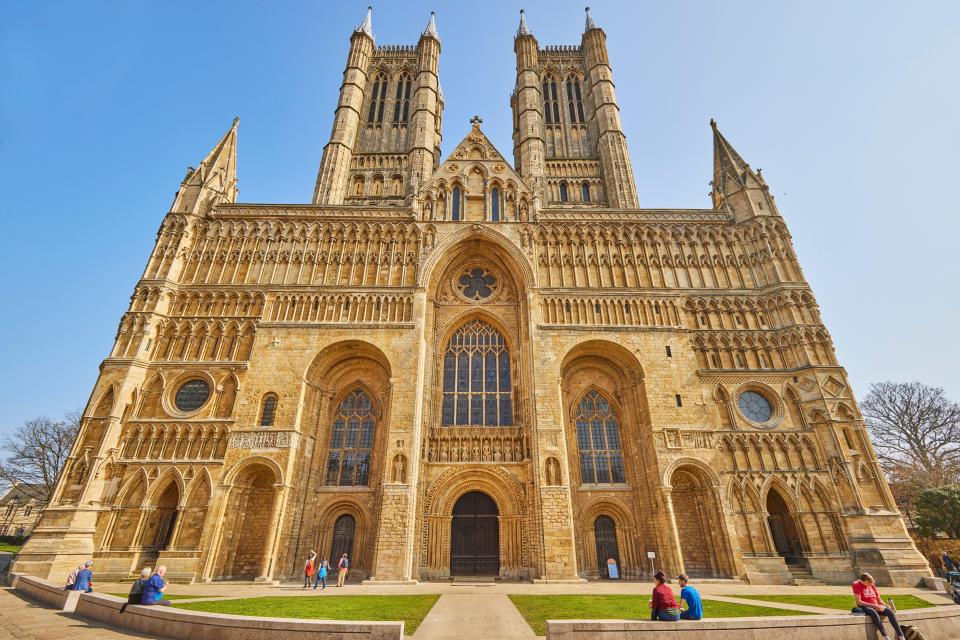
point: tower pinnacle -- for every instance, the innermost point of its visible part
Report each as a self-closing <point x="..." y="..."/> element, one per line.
<point x="367" y="25"/>
<point x="431" y="30"/>
<point x="590" y="24"/>
<point x="737" y="188"/>
<point x="523" y="30"/>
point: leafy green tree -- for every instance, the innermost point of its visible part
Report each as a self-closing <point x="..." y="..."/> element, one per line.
<point x="938" y="511"/>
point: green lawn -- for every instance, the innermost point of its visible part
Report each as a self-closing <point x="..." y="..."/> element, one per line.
<point x="842" y="602"/>
<point x="538" y="609"/>
<point x="410" y="609"/>
<point x="174" y="597"/>
<point x="10" y="548"/>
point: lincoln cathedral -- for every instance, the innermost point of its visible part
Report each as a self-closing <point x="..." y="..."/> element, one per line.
<point x="465" y="365"/>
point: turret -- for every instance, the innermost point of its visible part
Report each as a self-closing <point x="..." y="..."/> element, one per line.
<point x="528" y="143"/>
<point x="335" y="165"/>
<point x="423" y="157"/>
<point x="611" y="141"/>
<point x="738" y="189"/>
<point x="214" y="181"/>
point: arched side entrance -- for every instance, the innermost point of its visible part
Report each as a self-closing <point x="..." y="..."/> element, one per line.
<point x="700" y="529"/>
<point x="605" y="535"/>
<point x="784" y="529"/>
<point x="247" y="521"/>
<point x="475" y="536"/>
<point x="159" y="530"/>
<point x="344" y="534"/>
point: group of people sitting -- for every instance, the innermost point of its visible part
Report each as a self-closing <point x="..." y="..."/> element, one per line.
<point x="148" y="589"/>
<point x="664" y="605"/>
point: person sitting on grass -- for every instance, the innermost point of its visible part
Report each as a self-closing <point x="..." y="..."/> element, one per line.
<point x="154" y="588"/>
<point x="870" y="603"/>
<point x="136" y="589"/>
<point x="663" y="606"/>
<point x="691" y="597"/>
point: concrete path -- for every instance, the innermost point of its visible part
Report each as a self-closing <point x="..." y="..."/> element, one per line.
<point x="486" y="616"/>
<point x="22" y="619"/>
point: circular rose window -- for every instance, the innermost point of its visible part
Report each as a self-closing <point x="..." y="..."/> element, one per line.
<point x="192" y="395"/>
<point x="755" y="407"/>
<point x="477" y="284"/>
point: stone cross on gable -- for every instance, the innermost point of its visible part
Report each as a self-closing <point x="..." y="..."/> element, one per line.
<point x="476" y="121"/>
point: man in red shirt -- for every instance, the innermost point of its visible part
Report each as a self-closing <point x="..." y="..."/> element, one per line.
<point x="664" y="605"/>
<point x="869" y="601"/>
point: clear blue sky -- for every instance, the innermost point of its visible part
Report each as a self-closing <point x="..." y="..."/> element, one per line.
<point x="851" y="109"/>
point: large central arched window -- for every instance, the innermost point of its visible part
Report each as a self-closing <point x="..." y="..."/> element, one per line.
<point x="476" y="378"/>
<point x="598" y="441"/>
<point x="351" y="439"/>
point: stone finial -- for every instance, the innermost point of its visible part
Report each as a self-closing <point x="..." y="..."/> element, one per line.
<point x="590" y="23"/>
<point x="523" y="30"/>
<point x="367" y="25"/>
<point x="431" y="30"/>
<point x="476" y="121"/>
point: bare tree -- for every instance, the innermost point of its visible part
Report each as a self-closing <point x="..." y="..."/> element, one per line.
<point x="916" y="431"/>
<point x="36" y="452"/>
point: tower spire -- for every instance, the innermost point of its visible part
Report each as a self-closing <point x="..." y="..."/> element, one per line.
<point x="737" y="188"/>
<point x="431" y="30"/>
<point x="523" y="30"/>
<point x="367" y="25"/>
<point x="590" y="23"/>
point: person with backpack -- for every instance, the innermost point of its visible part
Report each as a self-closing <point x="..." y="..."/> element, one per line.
<point x="664" y="605"/>
<point x="322" y="574"/>
<point x="872" y="605"/>
<point x="344" y="567"/>
<point x="309" y="569"/>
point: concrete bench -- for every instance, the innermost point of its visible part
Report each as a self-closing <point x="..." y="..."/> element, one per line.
<point x="936" y="623"/>
<point x="169" y="622"/>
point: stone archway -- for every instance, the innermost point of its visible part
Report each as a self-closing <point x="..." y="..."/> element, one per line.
<point x="700" y="530"/>
<point x="507" y="496"/>
<point x="475" y="536"/>
<point x="249" y="515"/>
<point x="785" y="530"/>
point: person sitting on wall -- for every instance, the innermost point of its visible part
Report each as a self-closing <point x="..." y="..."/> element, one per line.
<point x="136" y="589"/>
<point x="72" y="578"/>
<point x="870" y="604"/>
<point x="84" y="580"/>
<point x="154" y="588"/>
<point x="664" y="605"/>
<point x="691" y="597"/>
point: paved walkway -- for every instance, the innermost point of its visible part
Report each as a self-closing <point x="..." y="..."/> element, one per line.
<point x="22" y="619"/>
<point x="490" y="616"/>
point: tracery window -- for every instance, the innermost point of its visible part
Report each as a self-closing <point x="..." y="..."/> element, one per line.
<point x="456" y="204"/>
<point x="574" y="101"/>
<point x="378" y="98"/>
<point x="268" y="410"/>
<point x="551" y="106"/>
<point x="401" y="104"/>
<point x="351" y="441"/>
<point x="564" y="195"/>
<point x="476" y="378"/>
<point x="495" y="204"/>
<point x="598" y="441"/>
<point x="585" y="191"/>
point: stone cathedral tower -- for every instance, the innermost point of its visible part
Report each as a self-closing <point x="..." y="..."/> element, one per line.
<point x="458" y="366"/>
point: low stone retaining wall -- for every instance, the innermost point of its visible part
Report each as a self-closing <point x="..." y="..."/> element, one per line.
<point x="936" y="623"/>
<point x="169" y="622"/>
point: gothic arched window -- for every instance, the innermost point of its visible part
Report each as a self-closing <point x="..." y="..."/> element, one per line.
<point x="456" y="204"/>
<point x="564" y="195"/>
<point x="378" y="98"/>
<point x="574" y="101"/>
<point x="495" y="204"/>
<point x="585" y="191"/>
<point x="351" y="441"/>
<point x="268" y="409"/>
<point x="401" y="104"/>
<point x="598" y="441"/>
<point x="476" y="378"/>
<point x="551" y="106"/>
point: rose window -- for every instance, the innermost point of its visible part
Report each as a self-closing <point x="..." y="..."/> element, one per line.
<point x="477" y="284"/>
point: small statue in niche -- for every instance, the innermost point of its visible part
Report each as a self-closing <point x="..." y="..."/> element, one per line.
<point x="553" y="472"/>
<point x="399" y="469"/>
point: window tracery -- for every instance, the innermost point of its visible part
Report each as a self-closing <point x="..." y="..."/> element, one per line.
<point x="598" y="441"/>
<point x="476" y="378"/>
<point x="351" y="441"/>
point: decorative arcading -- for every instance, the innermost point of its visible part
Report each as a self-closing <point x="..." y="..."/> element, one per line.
<point x="632" y="311"/>
<point x="476" y="444"/>
<point x="790" y="348"/>
<point x="341" y="307"/>
<point x="174" y="441"/>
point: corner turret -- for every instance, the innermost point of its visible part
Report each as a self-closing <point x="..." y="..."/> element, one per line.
<point x="737" y="189"/>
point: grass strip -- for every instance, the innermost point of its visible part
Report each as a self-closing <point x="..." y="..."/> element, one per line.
<point x="411" y="609"/>
<point x="840" y="602"/>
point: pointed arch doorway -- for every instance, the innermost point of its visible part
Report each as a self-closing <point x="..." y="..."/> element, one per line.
<point x="475" y="536"/>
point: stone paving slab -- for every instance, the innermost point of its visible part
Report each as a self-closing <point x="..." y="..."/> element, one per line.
<point x="468" y="616"/>
<point x="22" y="619"/>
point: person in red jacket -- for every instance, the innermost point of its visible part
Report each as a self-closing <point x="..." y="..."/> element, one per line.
<point x="664" y="605"/>
<point x="869" y="601"/>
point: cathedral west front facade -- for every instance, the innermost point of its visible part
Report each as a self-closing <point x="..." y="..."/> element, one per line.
<point x="467" y="366"/>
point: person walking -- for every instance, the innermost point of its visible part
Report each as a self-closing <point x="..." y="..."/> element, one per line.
<point x="664" y="605"/>
<point x="322" y="574"/>
<point x="136" y="589"/>
<point x="154" y="588"/>
<point x="870" y="603"/>
<point x="84" y="580"/>
<point x="309" y="569"/>
<point x="344" y="569"/>
<point x="691" y="597"/>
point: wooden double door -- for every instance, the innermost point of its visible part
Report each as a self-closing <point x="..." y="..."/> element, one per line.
<point x="475" y="536"/>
